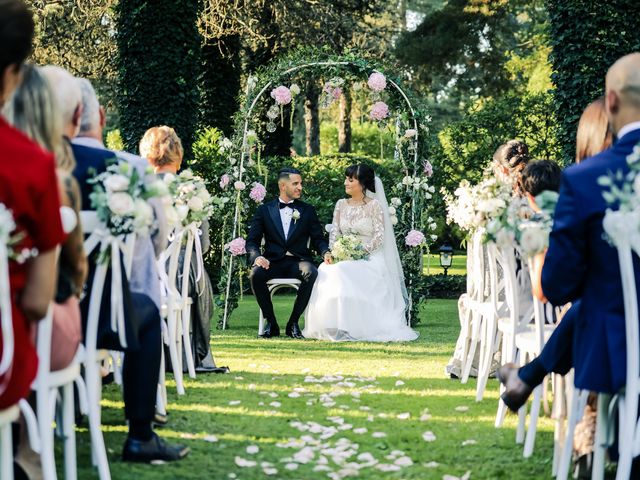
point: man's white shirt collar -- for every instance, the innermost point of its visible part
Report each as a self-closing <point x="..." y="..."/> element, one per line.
<point x="628" y="128"/>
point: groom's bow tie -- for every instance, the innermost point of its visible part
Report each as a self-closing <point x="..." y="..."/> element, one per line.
<point x="285" y="205"/>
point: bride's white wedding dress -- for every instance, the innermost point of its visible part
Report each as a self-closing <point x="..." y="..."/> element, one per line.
<point x="361" y="299"/>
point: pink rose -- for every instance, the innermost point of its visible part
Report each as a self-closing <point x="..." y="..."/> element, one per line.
<point x="414" y="238"/>
<point x="282" y="95"/>
<point x="377" y="82"/>
<point x="237" y="246"/>
<point x="224" y="181"/>
<point x="258" y="192"/>
<point x="379" y="111"/>
<point x="336" y="93"/>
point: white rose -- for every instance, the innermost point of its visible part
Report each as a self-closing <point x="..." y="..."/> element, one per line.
<point x="392" y="211"/>
<point x="407" y="180"/>
<point x="294" y="89"/>
<point x="394" y="220"/>
<point x="427" y="195"/>
<point x="169" y="178"/>
<point x="116" y="183"/>
<point x="186" y="174"/>
<point x="183" y="211"/>
<point x="204" y="195"/>
<point x="505" y="238"/>
<point x="173" y="219"/>
<point x="159" y="188"/>
<point x="534" y="239"/>
<point x="196" y="204"/>
<point x="396" y="202"/>
<point x="143" y="216"/>
<point x="238" y="185"/>
<point x="120" y="203"/>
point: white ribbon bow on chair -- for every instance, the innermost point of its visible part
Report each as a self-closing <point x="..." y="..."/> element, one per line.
<point x="113" y="245"/>
<point x="193" y="239"/>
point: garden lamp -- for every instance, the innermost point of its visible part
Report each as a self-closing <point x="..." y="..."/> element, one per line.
<point x="446" y="257"/>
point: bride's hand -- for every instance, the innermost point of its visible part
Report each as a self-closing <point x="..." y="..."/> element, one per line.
<point x="328" y="259"/>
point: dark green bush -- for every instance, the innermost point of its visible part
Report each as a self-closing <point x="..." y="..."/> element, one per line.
<point x="446" y="286"/>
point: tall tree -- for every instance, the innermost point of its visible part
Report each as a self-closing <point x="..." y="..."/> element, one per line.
<point x="312" y="118"/>
<point x="587" y="37"/>
<point x="158" y="62"/>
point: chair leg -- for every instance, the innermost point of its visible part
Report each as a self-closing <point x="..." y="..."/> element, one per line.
<point x="172" y="327"/>
<point x="260" y="323"/>
<point x="599" y="447"/>
<point x="522" y="413"/>
<point x="475" y="339"/>
<point x="45" y="426"/>
<point x="533" y="422"/>
<point x="6" y="452"/>
<point x="69" y="431"/>
<point x="161" y="394"/>
<point x="98" y="451"/>
<point x="186" y="340"/>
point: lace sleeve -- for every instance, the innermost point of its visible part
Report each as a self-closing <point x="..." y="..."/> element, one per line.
<point x="378" y="227"/>
<point x="335" y="224"/>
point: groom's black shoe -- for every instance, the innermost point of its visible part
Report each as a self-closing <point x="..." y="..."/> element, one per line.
<point x="271" y="330"/>
<point x="293" y="330"/>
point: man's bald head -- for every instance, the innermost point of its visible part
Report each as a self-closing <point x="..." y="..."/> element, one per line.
<point x="69" y="96"/>
<point x="623" y="91"/>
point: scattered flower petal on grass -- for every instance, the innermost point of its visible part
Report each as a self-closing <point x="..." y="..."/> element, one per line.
<point x="294" y="395"/>
<point x="243" y="463"/>
<point x="431" y="465"/>
<point x="403" y="416"/>
<point x="275" y="404"/>
<point x="471" y="441"/>
<point x="425" y="416"/>
<point x="428" y="436"/>
<point x="235" y="402"/>
<point x="466" y="476"/>
<point x="239" y="378"/>
<point x="399" y="383"/>
<point x="291" y="466"/>
<point x="253" y="449"/>
<point x="387" y="467"/>
<point x="403" y="462"/>
<point x="462" y="408"/>
<point x="210" y="439"/>
<point x="379" y="435"/>
<point x="270" y="471"/>
<point x="360" y="430"/>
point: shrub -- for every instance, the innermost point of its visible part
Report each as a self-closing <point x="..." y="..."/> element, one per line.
<point x="446" y="286"/>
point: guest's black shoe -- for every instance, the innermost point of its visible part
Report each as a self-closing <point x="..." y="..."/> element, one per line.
<point x="517" y="392"/>
<point x="212" y="369"/>
<point x="271" y="330"/>
<point x="293" y="331"/>
<point x="153" y="449"/>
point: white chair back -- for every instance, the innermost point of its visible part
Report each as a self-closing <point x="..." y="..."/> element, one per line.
<point x="6" y="319"/>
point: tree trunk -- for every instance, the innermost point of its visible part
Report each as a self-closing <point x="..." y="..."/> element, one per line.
<point x="344" y="123"/>
<point x="312" y="118"/>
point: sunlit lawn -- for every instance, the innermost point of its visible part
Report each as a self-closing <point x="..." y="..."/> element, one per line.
<point x="220" y="416"/>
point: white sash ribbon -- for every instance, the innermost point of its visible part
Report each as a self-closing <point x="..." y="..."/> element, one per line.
<point x="193" y="239"/>
<point x="112" y="245"/>
<point x="170" y="254"/>
<point x="6" y="362"/>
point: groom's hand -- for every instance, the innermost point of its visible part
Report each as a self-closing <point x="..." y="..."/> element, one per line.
<point x="262" y="262"/>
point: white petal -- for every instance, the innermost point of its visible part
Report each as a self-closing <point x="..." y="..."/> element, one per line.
<point x="399" y="383"/>
<point x="462" y="408"/>
<point x="210" y="438"/>
<point x="428" y="436"/>
<point x="241" y="462"/>
<point x="404" y="416"/>
<point x="253" y="449"/>
<point x="291" y="466"/>
<point x="431" y="465"/>
<point x="469" y="442"/>
<point x="404" y="462"/>
<point x="378" y="434"/>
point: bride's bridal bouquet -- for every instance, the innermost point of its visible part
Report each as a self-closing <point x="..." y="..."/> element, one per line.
<point x="348" y="247"/>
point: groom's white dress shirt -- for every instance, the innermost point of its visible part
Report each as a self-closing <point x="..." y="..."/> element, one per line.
<point x="286" y="214"/>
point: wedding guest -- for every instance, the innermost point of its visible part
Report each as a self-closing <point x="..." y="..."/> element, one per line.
<point x="594" y="133"/>
<point x="509" y="161"/>
<point x="162" y="148"/>
<point x="140" y="371"/>
<point x="28" y="188"/>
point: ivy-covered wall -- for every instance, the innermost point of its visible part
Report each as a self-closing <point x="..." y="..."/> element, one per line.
<point x="587" y="37"/>
<point x="158" y="67"/>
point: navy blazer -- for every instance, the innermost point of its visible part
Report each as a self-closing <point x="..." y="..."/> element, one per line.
<point x="581" y="264"/>
<point x="266" y="223"/>
<point x="89" y="162"/>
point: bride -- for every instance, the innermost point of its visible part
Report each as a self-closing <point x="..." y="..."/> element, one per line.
<point x="361" y="299"/>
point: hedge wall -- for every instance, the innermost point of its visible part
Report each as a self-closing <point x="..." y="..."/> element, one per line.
<point x="587" y="37"/>
<point x="158" y="67"/>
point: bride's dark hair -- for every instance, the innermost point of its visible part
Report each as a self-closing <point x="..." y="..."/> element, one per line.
<point x="364" y="174"/>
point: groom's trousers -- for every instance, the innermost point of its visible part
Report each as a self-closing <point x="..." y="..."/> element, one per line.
<point x="288" y="267"/>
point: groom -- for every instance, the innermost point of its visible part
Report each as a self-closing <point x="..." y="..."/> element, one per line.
<point x="286" y="224"/>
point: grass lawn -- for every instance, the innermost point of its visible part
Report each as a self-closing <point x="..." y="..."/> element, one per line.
<point x="363" y="401"/>
<point x="432" y="264"/>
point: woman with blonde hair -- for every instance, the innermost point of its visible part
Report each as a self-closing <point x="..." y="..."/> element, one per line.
<point x="162" y="148"/>
<point x="594" y="134"/>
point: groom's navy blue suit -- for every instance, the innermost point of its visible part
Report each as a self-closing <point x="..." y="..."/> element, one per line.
<point x="580" y="264"/>
<point x="289" y="255"/>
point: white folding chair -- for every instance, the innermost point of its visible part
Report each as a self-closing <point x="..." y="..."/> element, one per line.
<point x="274" y="285"/>
<point x="7" y="417"/>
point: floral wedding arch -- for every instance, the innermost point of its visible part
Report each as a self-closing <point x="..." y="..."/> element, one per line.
<point x="392" y="106"/>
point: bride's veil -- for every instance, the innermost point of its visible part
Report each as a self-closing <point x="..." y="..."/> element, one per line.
<point x="390" y="249"/>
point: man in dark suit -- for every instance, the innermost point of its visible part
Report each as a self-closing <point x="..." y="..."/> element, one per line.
<point x="141" y="365"/>
<point x="581" y="264"/>
<point x="287" y="225"/>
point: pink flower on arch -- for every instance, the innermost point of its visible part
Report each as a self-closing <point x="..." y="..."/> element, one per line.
<point x="224" y="181"/>
<point x="258" y="192"/>
<point x="336" y="93"/>
<point x="237" y="246"/>
<point x="282" y="95"/>
<point x="414" y="238"/>
<point x="379" y="111"/>
<point x="428" y="168"/>
<point x="377" y="82"/>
